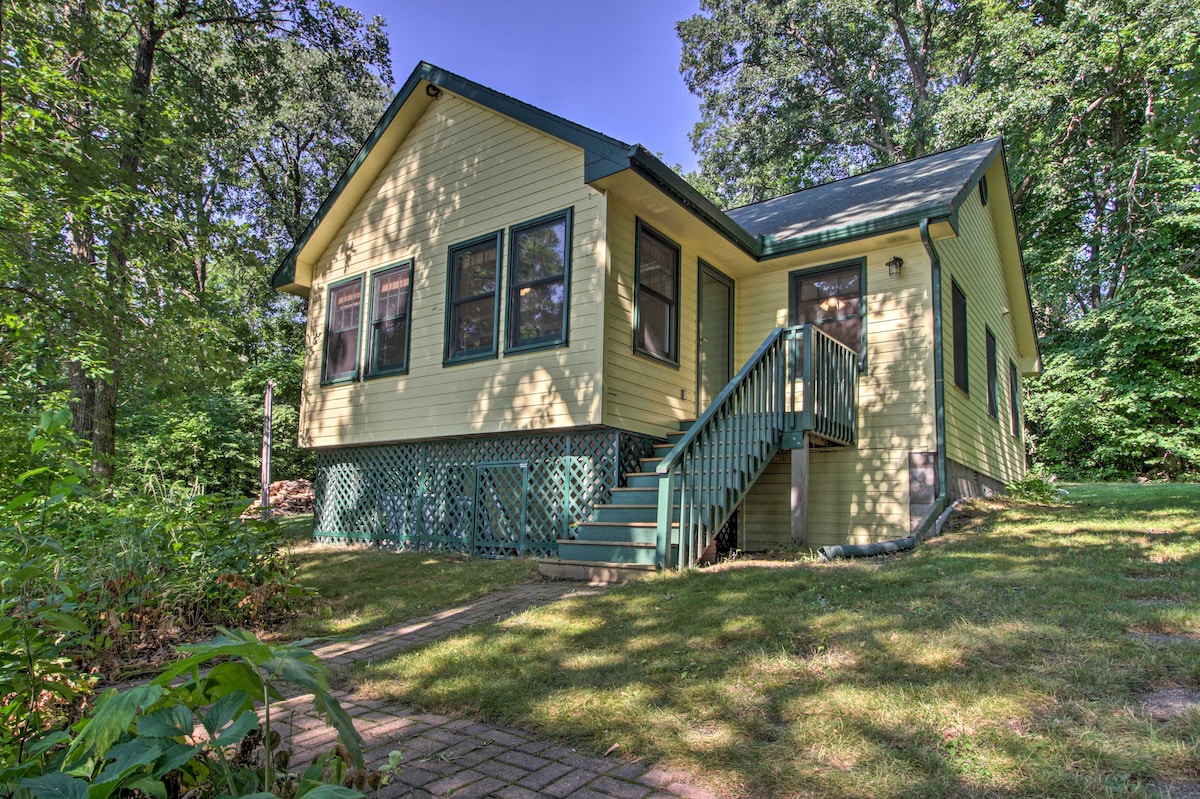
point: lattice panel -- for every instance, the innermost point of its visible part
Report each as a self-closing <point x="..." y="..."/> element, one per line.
<point x="500" y="510"/>
<point x="441" y="495"/>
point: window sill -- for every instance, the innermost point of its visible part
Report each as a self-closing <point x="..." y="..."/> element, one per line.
<point x="483" y="356"/>
<point x="544" y="345"/>
<point x="653" y="357"/>
<point x="399" y="370"/>
<point x="339" y="381"/>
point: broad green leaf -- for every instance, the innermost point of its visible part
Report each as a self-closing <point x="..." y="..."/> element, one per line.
<point x="113" y="716"/>
<point x="167" y="722"/>
<point x="55" y="785"/>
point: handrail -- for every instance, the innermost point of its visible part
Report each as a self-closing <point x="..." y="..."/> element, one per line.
<point x="722" y="455"/>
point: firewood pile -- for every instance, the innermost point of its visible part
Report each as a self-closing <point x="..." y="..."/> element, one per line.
<point x="288" y="497"/>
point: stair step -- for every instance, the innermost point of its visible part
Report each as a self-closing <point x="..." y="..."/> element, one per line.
<point x="642" y="512"/>
<point x="642" y="480"/>
<point x="617" y="532"/>
<point x="592" y="571"/>
<point x="607" y="551"/>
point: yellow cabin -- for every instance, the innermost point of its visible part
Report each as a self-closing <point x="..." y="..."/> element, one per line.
<point x="526" y="337"/>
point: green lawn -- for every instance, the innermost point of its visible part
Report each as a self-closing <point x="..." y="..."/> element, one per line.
<point x="360" y="589"/>
<point x="1005" y="659"/>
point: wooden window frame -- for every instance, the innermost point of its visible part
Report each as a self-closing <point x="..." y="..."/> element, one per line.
<point x="453" y="301"/>
<point x="958" y="324"/>
<point x="373" y="370"/>
<point x="672" y="357"/>
<point x="341" y="377"/>
<point x="993" y="376"/>
<point x="511" y="345"/>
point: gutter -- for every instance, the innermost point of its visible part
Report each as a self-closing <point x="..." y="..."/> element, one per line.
<point x="931" y="525"/>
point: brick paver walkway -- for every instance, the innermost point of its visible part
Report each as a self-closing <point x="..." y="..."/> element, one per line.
<point x="447" y="756"/>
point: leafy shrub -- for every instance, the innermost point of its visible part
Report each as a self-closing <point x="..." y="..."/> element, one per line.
<point x="143" y="740"/>
<point x="1034" y="487"/>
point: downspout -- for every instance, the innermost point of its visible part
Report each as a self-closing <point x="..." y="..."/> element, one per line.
<point x="936" y="517"/>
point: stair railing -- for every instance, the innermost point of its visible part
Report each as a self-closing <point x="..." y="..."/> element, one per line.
<point x="799" y="379"/>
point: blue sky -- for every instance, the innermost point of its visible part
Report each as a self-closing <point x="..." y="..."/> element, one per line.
<point x="612" y="66"/>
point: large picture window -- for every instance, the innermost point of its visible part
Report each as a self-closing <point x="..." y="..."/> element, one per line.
<point x="471" y="304"/>
<point x="342" y="318"/>
<point x="958" y="327"/>
<point x="391" y="300"/>
<point x="539" y="275"/>
<point x="831" y="298"/>
<point x="657" y="301"/>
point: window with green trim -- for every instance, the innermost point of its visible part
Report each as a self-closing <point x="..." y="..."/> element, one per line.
<point x="538" y="278"/>
<point x="832" y="299"/>
<point x="993" y="379"/>
<point x="391" y="301"/>
<point x="472" y="299"/>
<point x="657" y="302"/>
<point x="1013" y="396"/>
<point x="958" y="328"/>
<point x="342" y="318"/>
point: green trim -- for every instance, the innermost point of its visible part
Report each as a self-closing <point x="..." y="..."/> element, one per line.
<point x="939" y="361"/>
<point x="603" y="155"/>
<point x="1012" y="211"/>
<point x="654" y="170"/>
<point x="838" y="266"/>
<point x="479" y="354"/>
<point x="637" y="293"/>
<point x="371" y="341"/>
<point x="347" y="377"/>
<point x="568" y="245"/>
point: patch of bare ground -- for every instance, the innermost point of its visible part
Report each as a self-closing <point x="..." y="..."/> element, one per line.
<point x="1166" y="703"/>
<point x="1156" y="601"/>
<point x="1164" y="638"/>
<point x="1178" y="789"/>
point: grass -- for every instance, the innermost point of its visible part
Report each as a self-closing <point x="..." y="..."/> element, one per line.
<point x="359" y="588"/>
<point x="1003" y="659"/>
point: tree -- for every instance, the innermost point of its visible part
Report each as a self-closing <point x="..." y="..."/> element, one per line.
<point x="1095" y="100"/>
<point x="125" y="130"/>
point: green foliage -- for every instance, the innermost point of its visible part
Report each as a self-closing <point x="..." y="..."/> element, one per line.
<point x="1034" y="487"/>
<point x="1097" y="104"/>
<point x="142" y="740"/>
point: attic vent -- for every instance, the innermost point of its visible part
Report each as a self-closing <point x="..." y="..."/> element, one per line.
<point x="983" y="193"/>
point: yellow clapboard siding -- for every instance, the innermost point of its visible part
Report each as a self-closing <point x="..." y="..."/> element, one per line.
<point x="858" y="494"/>
<point x="463" y="171"/>
<point x="974" y="438"/>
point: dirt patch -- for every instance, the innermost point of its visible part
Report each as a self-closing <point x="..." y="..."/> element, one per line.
<point x="1156" y="602"/>
<point x="1183" y="789"/>
<point x="1165" y="638"/>
<point x="1167" y="703"/>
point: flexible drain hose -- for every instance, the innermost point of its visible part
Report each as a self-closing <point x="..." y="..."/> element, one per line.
<point x="866" y="550"/>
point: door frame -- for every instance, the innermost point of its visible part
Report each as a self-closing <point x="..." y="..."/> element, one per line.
<point x="702" y="269"/>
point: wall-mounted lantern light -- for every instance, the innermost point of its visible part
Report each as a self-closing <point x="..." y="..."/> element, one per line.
<point x="894" y="266"/>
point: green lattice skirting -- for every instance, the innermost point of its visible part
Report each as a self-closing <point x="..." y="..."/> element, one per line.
<point x="491" y="496"/>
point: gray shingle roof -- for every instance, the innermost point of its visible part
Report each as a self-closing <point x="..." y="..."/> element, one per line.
<point x="886" y="198"/>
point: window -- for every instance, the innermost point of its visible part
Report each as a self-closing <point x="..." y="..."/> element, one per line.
<point x="657" y="300"/>
<point x="831" y="298"/>
<point x="391" y="299"/>
<point x="1013" y="395"/>
<point x="993" y="398"/>
<point x="983" y="191"/>
<point x="341" y="331"/>
<point x="958" y="323"/>
<point x="539" y="265"/>
<point x="472" y="299"/>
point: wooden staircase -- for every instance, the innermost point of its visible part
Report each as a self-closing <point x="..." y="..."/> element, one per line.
<point x="799" y="384"/>
<point x="619" y="541"/>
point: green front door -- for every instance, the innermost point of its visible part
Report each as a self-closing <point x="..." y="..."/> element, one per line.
<point x="714" y="367"/>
